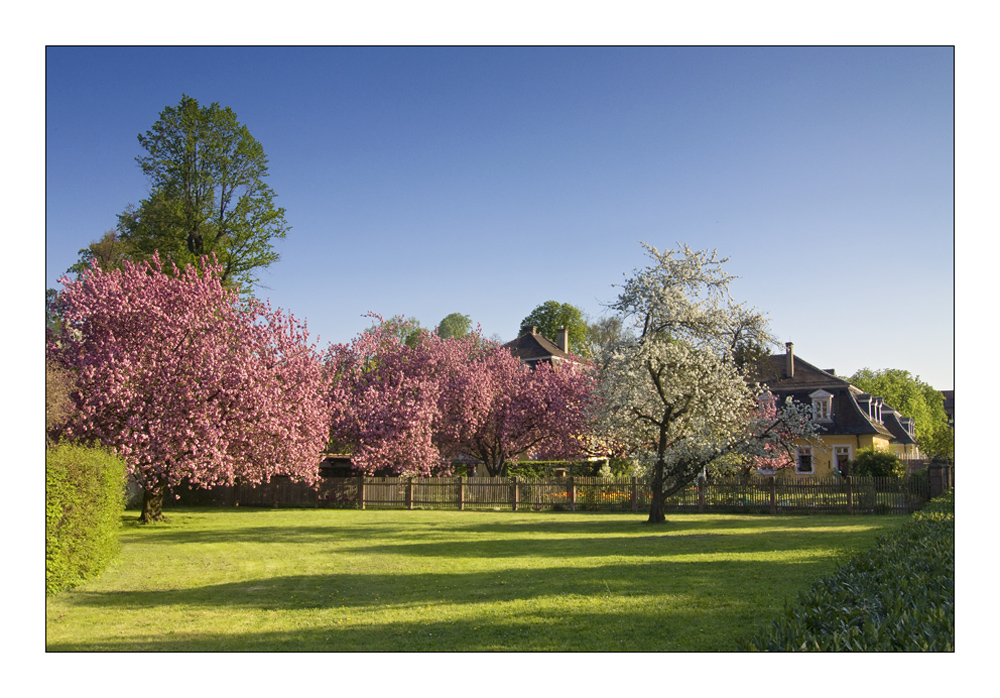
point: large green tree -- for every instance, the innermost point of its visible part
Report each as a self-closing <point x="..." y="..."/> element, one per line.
<point x="913" y="398"/>
<point x="454" y="326"/>
<point x="550" y="316"/>
<point x="208" y="193"/>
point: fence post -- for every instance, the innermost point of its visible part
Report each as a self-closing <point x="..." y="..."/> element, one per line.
<point x="572" y="494"/>
<point x="513" y="492"/>
<point x="702" y="484"/>
<point x="361" y="490"/>
<point x="635" y="494"/>
<point x="937" y="476"/>
<point x="850" y="494"/>
<point x="409" y="493"/>
<point x="774" y="495"/>
<point x="461" y="493"/>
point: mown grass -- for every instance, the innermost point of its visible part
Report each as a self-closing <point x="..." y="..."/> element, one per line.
<point x="329" y="580"/>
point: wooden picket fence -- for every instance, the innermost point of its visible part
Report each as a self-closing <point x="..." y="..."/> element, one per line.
<point x="758" y="494"/>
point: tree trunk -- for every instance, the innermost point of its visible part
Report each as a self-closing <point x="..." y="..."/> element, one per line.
<point x="152" y="505"/>
<point x="656" y="514"/>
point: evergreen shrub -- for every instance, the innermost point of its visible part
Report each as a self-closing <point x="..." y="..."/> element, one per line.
<point x="897" y="597"/>
<point x="84" y="503"/>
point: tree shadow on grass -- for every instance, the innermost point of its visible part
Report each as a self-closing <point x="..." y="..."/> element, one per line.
<point x="403" y="526"/>
<point x="584" y="632"/>
<point x="658" y="606"/>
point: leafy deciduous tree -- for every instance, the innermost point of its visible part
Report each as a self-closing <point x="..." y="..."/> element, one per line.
<point x="185" y="380"/>
<point x="108" y="253"/>
<point x="602" y="335"/>
<point x="908" y="395"/>
<point x="208" y="193"/>
<point x="406" y="330"/>
<point x="454" y="325"/>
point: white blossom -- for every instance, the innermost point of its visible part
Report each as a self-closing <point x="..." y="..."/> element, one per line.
<point x="672" y="393"/>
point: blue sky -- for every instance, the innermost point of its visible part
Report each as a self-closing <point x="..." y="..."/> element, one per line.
<point x="426" y="181"/>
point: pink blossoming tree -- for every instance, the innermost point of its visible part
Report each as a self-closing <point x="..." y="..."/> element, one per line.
<point x="412" y="409"/>
<point x="501" y="409"/>
<point x="187" y="381"/>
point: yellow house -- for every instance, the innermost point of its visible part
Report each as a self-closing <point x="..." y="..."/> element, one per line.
<point x="850" y="419"/>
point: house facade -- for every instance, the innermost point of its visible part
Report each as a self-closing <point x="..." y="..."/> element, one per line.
<point x="849" y="418"/>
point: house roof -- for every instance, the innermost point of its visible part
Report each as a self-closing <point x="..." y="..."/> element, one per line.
<point x="786" y="375"/>
<point x="949" y="402"/>
<point x="891" y="421"/>
<point x="532" y="347"/>
<point x="773" y="371"/>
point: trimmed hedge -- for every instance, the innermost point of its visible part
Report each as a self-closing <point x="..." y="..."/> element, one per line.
<point x="84" y="503"/>
<point x="897" y="597"/>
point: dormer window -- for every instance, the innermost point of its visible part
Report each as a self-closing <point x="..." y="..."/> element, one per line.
<point x="822" y="403"/>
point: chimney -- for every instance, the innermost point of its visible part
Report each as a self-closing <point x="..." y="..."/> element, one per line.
<point x="789" y="360"/>
<point x="529" y="329"/>
<point x="562" y="339"/>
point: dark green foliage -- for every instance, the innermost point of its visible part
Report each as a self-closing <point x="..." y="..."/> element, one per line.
<point x="208" y="195"/>
<point x="546" y="468"/>
<point x="897" y="597"/>
<point x="84" y="502"/>
<point x="873" y="462"/>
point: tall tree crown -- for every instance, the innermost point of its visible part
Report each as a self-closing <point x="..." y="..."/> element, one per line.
<point x="208" y="193"/>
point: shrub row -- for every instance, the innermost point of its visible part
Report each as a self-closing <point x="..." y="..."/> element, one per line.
<point x="84" y="502"/>
<point x="897" y="597"/>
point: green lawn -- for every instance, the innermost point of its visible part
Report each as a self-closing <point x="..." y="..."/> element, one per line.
<point x="342" y="580"/>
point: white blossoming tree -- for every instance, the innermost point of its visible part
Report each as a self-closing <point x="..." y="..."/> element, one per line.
<point x="675" y="392"/>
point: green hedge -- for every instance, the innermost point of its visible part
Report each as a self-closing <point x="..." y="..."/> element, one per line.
<point x="84" y="502"/>
<point x="897" y="597"/>
<point x="546" y="468"/>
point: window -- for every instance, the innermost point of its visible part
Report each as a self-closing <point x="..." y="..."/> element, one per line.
<point x="804" y="460"/>
<point x="842" y="458"/>
<point x="822" y="406"/>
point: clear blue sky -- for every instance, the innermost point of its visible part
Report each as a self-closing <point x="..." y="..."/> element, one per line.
<point x="426" y="181"/>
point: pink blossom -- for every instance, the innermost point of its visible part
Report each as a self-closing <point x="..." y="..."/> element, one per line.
<point x="186" y="380"/>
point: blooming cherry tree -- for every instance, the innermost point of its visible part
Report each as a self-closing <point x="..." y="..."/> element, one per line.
<point x="499" y="409"/>
<point x="386" y="401"/>
<point x="673" y="390"/>
<point x="411" y="409"/>
<point x="187" y="381"/>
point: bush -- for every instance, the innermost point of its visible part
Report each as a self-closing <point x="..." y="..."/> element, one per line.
<point x="897" y="597"/>
<point x="546" y="468"/>
<point x="84" y="502"/>
<point x="59" y="407"/>
<point x="873" y="462"/>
